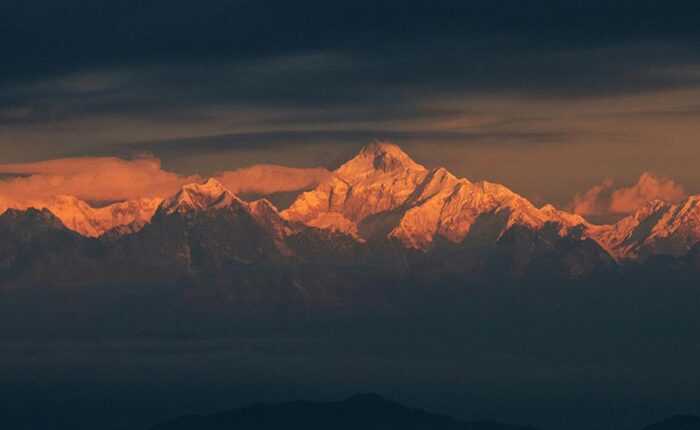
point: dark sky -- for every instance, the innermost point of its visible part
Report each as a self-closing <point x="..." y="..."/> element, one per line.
<point x="547" y="97"/>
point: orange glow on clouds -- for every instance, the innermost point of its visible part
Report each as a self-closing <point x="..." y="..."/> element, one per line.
<point x="268" y="178"/>
<point x="107" y="179"/>
<point x="91" y="178"/>
<point x="603" y="199"/>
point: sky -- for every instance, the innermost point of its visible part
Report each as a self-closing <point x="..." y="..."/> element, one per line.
<point x="565" y="102"/>
<point x="592" y="105"/>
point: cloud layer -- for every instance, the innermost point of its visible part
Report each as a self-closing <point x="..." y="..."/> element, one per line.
<point x="269" y="179"/>
<point x="94" y="179"/>
<point x="604" y="199"/>
<point x="108" y="179"/>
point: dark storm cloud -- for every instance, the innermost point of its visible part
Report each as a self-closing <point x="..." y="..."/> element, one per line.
<point x="44" y="36"/>
<point x="471" y="44"/>
<point x="334" y="87"/>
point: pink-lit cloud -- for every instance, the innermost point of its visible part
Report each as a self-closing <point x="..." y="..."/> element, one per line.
<point x="94" y="179"/>
<point x="269" y="178"/>
<point x="603" y="198"/>
<point x="107" y="179"/>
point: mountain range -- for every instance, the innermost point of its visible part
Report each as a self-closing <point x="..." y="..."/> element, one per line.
<point x="380" y="209"/>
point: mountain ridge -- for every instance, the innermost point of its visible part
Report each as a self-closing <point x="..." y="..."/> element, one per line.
<point x="88" y="220"/>
<point x="379" y="208"/>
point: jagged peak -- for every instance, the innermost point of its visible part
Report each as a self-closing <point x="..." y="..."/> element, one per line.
<point x="36" y="216"/>
<point x="31" y="211"/>
<point x="443" y="175"/>
<point x="199" y="196"/>
<point x="261" y="205"/>
<point x="551" y="210"/>
<point x="210" y="187"/>
<point x="378" y="157"/>
<point x="382" y="147"/>
<point x="435" y="181"/>
<point x="497" y="191"/>
<point x="657" y="207"/>
<point x="87" y="220"/>
<point x="652" y="207"/>
<point x="558" y="215"/>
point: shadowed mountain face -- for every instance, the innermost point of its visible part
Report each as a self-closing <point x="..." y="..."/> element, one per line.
<point x="36" y="248"/>
<point x="679" y="422"/>
<point x="360" y="412"/>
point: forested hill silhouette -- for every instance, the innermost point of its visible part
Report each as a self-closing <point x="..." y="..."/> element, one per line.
<point x="678" y="422"/>
<point x="359" y="412"/>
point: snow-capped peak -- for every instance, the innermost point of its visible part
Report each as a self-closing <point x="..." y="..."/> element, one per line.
<point x="382" y="190"/>
<point x="379" y="178"/>
<point x="566" y="218"/>
<point x="196" y="196"/>
<point x="377" y="157"/>
<point x="211" y="187"/>
<point x="79" y="216"/>
<point x="657" y="228"/>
